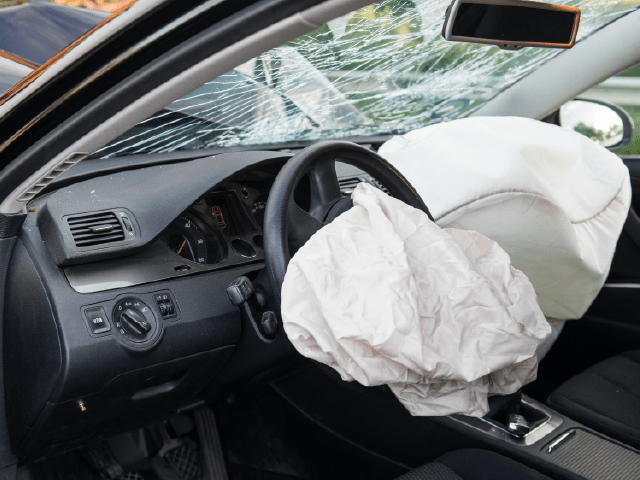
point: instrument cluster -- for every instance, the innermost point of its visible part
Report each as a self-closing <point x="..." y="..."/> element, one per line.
<point x="227" y="221"/>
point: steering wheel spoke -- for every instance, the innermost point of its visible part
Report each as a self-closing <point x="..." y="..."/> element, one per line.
<point x="325" y="188"/>
<point x="301" y="227"/>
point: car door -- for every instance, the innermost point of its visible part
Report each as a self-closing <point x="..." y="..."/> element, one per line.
<point x="127" y="55"/>
<point x="612" y="323"/>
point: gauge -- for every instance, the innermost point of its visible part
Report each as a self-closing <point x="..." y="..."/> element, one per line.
<point x="185" y="238"/>
<point x="258" y="208"/>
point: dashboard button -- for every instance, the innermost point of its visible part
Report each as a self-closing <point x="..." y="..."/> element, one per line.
<point x="97" y="320"/>
<point x="165" y="305"/>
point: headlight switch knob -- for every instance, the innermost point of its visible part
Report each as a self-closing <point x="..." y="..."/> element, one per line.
<point x="134" y="320"/>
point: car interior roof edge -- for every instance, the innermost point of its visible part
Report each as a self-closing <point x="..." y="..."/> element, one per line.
<point x="99" y="36"/>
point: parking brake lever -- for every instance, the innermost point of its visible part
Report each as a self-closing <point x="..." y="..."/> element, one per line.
<point x="253" y="303"/>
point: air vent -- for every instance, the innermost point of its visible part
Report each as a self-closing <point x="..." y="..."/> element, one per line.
<point x="348" y="184"/>
<point x="95" y="229"/>
<point x="377" y="184"/>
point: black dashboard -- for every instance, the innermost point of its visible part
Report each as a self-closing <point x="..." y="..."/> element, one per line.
<point x="219" y="230"/>
<point x="116" y="302"/>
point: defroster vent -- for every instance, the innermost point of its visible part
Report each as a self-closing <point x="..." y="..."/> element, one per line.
<point x="95" y="229"/>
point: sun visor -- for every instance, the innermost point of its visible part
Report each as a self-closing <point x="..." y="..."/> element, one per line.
<point x="554" y="200"/>
<point x="385" y="296"/>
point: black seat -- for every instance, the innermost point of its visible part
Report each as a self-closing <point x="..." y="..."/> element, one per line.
<point x="605" y="397"/>
<point x="473" y="464"/>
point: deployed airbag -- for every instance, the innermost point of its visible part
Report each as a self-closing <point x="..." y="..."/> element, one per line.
<point x="553" y="199"/>
<point x="385" y="296"/>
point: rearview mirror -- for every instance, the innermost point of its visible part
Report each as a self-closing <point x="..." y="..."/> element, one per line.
<point x="604" y="123"/>
<point x="511" y="24"/>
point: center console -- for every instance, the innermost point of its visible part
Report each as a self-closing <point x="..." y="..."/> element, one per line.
<point x="539" y="420"/>
<point x="554" y="444"/>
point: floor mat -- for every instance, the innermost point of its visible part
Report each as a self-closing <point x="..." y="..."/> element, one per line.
<point x="70" y="466"/>
<point x="265" y="438"/>
<point x="242" y="473"/>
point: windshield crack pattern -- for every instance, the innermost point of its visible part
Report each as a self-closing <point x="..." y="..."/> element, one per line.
<point x="382" y="70"/>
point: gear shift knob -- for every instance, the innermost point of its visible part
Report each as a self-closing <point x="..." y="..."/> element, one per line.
<point x="517" y="424"/>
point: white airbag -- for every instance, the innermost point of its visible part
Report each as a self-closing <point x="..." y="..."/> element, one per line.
<point x="554" y="200"/>
<point x="385" y="296"/>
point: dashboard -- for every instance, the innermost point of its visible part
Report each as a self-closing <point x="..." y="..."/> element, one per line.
<point x="116" y="300"/>
<point x="220" y="229"/>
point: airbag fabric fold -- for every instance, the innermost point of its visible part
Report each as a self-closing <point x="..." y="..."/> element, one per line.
<point x="385" y="296"/>
<point x="553" y="199"/>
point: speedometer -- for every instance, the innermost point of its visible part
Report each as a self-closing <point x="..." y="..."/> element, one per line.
<point x="185" y="238"/>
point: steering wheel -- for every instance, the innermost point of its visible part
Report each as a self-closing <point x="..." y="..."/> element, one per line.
<point x="286" y="224"/>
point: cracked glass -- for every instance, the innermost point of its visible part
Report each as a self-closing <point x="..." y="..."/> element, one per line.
<point x="382" y="70"/>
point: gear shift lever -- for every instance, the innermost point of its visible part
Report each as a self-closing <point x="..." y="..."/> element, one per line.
<point x="506" y="410"/>
<point x="517" y="424"/>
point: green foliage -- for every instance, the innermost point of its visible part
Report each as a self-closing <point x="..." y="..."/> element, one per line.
<point x="316" y="46"/>
<point x="595" y="134"/>
<point x="634" y="146"/>
<point x="632" y="72"/>
<point x="372" y="37"/>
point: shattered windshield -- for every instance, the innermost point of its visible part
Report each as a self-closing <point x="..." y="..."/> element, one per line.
<point x="384" y="69"/>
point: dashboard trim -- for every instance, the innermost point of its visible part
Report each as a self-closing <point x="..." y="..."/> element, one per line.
<point x="155" y="264"/>
<point x="154" y="195"/>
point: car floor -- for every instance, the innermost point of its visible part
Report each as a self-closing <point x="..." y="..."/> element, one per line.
<point x="265" y="437"/>
<point x="69" y="466"/>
